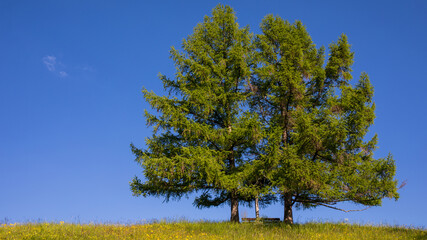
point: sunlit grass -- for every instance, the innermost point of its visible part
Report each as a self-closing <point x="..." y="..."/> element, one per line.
<point x="206" y="230"/>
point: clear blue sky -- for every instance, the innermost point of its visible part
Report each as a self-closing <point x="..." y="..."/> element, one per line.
<point x="71" y="74"/>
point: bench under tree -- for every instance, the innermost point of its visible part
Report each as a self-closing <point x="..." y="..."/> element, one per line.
<point x="264" y="220"/>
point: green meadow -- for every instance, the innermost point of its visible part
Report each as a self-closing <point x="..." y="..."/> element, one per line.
<point x="207" y="230"/>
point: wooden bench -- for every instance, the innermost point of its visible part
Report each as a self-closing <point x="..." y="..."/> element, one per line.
<point x="263" y="220"/>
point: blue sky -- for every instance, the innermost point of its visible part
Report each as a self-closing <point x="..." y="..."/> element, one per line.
<point x="71" y="74"/>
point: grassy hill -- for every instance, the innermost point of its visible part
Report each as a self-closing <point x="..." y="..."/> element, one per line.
<point x="207" y="230"/>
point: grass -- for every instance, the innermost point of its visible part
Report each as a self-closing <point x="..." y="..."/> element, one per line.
<point x="206" y="230"/>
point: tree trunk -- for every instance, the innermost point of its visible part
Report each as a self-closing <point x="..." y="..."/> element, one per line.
<point x="234" y="207"/>
<point x="256" y="207"/>
<point x="234" y="198"/>
<point x="288" y="218"/>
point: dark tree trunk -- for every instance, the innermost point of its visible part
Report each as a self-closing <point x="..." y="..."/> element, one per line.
<point x="234" y="198"/>
<point x="288" y="218"/>
<point x="234" y="207"/>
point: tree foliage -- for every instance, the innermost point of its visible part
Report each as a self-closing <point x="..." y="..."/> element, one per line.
<point x="316" y="121"/>
<point x="258" y="116"/>
<point x="203" y="133"/>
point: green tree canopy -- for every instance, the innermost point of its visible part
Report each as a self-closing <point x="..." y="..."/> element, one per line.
<point x="250" y="117"/>
<point x="203" y="132"/>
<point x="316" y="122"/>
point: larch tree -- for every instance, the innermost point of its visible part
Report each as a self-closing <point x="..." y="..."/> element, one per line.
<point x="314" y="152"/>
<point x="203" y="129"/>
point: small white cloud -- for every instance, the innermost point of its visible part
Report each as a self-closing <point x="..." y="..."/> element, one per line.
<point x="63" y="74"/>
<point x="50" y="62"/>
<point x="55" y="66"/>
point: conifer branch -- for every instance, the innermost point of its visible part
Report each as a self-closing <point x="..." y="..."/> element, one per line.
<point x="343" y="210"/>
